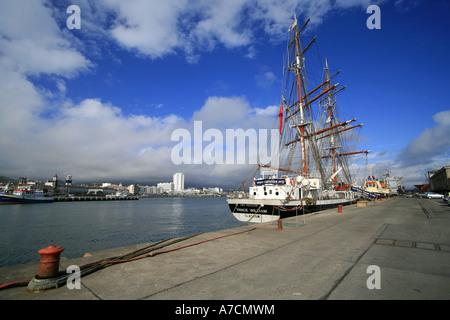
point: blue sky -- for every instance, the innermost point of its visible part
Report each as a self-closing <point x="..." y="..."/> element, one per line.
<point x="101" y="102"/>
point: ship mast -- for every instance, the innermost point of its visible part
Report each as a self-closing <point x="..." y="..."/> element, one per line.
<point x="299" y="109"/>
<point x="335" y="138"/>
<point x="297" y="104"/>
<point x="331" y="103"/>
<point x="302" y="124"/>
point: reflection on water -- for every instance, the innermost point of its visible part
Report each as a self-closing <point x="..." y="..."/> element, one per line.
<point x="82" y="227"/>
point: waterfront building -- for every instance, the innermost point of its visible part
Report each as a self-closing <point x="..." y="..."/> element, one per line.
<point x="440" y="180"/>
<point x="133" y="189"/>
<point x="166" y="186"/>
<point x="215" y="190"/>
<point x="151" y="190"/>
<point x="191" y="191"/>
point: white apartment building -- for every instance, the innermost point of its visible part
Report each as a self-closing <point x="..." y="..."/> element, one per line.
<point x="178" y="181"/>
<point x="166" y="186"/>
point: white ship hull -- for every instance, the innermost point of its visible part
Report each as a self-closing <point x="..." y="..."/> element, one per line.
<point x="269" y="210"/>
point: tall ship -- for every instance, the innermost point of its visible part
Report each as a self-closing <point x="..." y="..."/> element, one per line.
<point x="313" y="171"/>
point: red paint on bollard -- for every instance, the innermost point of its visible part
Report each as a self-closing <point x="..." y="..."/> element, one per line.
<point x="49" y="264"/>
<point x="339" y="209"/>
<point x="280" y="224"/>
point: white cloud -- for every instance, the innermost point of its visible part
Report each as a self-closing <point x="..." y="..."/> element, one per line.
<point x="221" y="21"/>
<point x="148" y="26"/>
<point x="413" y="173"/>
<point x="98" y="134"/>
<point x="157" y="28"/>
<point x="222" y="112"/>
<point x="92" y="140"/>
<point x="266" y="79"/>
<point x="235" y="112"/>
<point x="430" y="143"/>
<point x="356" y="3"/>
<point x="428" y="151"/>
<point x="270" y="111"/>
<point x="32" y="42"/>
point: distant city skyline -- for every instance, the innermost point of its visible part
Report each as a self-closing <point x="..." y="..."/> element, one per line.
<point x="176" y="187"/>
<point x="67" y="179"/>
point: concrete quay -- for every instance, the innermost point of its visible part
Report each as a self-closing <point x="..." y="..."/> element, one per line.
<point x="326" y="255"/>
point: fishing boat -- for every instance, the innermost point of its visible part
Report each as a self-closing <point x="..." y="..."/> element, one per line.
<point x="24" y="195"/>
<point x="313" y="171"/>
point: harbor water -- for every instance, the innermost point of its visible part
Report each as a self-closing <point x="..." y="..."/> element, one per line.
<point x="89" y="226"/>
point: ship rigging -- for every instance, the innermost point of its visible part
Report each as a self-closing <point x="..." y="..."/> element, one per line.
<point x="313" y="157"/>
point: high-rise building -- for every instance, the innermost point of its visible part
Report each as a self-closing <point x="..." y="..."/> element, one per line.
<point x="178" y="181"/>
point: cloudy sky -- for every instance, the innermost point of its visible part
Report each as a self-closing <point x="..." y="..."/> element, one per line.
<point x="101" y="102"/>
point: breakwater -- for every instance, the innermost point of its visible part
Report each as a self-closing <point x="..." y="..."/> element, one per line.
<point x="93" y="198"/>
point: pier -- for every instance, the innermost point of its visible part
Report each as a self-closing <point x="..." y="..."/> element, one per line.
<point x="391" y="249"/>
<point x="93" y="198"/>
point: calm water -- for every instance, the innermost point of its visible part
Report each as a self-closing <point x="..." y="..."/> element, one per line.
<point x="87" y="226"/>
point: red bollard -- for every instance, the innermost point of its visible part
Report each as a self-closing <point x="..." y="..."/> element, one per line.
<point x="339" y="209"/>
<point x="49" y="264"/>
<point x="280" y="224"/>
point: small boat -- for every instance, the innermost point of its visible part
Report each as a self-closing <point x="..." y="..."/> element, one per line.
<point x="24" y="196"/>
<point x="373" y="185"/>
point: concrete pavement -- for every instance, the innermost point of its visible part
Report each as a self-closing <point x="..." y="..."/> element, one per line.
<point x="317" y="256"/>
